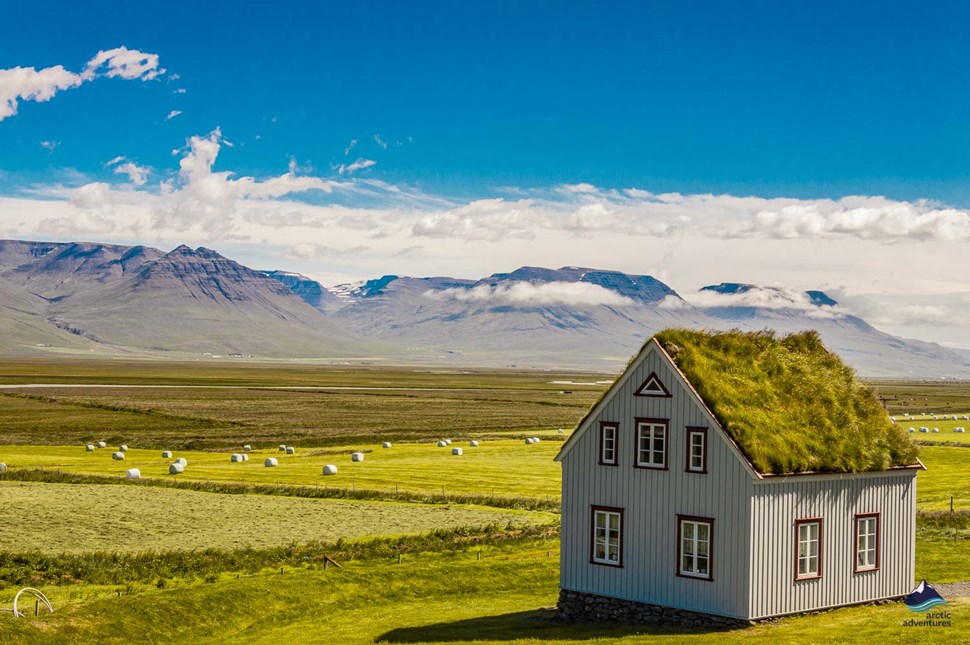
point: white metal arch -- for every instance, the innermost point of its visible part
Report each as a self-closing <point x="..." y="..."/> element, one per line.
<point x="40" y="596"/>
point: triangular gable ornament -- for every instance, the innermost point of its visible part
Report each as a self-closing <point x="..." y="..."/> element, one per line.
<point x="653" y="386"/>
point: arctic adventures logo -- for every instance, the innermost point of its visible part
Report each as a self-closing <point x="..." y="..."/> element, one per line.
<point x="922" y="599"/>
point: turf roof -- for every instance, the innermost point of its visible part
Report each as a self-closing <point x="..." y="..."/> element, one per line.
<point x="791" y="405"/>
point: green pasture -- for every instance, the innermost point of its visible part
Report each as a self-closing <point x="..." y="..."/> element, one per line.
<point x="945" y="425"/>
<point x="57" y="518"/>
<point x="921" y="397"/>
<point x="503" y="467"/>
<point x="218" y="418"/>
<point x="506" y="597"/>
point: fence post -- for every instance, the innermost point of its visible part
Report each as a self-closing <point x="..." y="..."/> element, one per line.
<point x="36" y="608"/>
<point x="951" y="503"/>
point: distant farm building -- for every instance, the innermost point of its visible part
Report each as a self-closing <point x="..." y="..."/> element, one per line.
<point x="731" y="477"/>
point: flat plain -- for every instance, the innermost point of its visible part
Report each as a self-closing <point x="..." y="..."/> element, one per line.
<point x="204" y="566"/>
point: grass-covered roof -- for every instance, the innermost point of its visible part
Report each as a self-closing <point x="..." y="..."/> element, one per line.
<point x="791" y="405"/>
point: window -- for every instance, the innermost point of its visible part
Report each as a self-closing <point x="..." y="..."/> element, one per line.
<point x="808" y="549"/>
<point x="651" y="443"/>
<point x="696" y="450"/>
<point x="867" y="542"/>
<point x="695" y="535"/>
<point x="607" y="533"/>
<point x="608" y="433"/>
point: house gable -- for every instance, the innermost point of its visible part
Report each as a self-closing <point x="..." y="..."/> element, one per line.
<point x="674" y="378"/>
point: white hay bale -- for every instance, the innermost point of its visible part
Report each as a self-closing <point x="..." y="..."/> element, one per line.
<point x="448" y="442"/>
<point x="166" y="454"/>
<point x="561" y="431"/>
<point x="924" y="429"/>
<point x="247" y="448"/>
<point x="282" y="447"/>
<point x="386" y="444"/>
<point x="123" y="447"/>
<point x="442" y="444"/>
<point x="270" y="462"/>
<point x="176" y="468"/>
<point x="182" y="461"/>
<point x="892" y="419"/>
<point x="245" y="457"/>
<point x="936" y="429"/>
<point x="456" y="451"/>
<point x="3" y="467"/>
<point x="357" y="456"/>
<point x="89" y="447"/>
<point x="912" y="429"/>
<point x="329" y="469"/>
<point x="290" y="450"/>
<point x="529" y="441"/>
<point x="473" y="443"/>
<point x="959" y="429"/>
<point x="133" y="473"/>
<point x="235" y="458"/>
<point x="102" y="444"/>
<point x="118" y="456"/>
<point x="536" y="439"/>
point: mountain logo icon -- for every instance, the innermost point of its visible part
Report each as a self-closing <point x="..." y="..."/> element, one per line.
<point x="923" y="598"/>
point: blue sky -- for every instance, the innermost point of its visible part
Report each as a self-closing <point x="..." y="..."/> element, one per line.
<point x="807" y="145"/>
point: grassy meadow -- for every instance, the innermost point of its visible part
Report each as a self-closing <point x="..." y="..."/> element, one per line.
<point x="180" y="558"/>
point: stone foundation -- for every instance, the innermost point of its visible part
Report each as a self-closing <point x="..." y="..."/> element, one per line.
<point x="575" y="606"/>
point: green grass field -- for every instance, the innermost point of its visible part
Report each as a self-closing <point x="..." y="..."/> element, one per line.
<point x="431" y="598"/>
<point x="80" y="518"/>
<point x="505" y="467"/>
<point x="442" y="596"/>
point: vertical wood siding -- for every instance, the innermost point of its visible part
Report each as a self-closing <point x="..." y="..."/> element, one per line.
<point x="652" y="499"/>
<point x="777" y="503"/>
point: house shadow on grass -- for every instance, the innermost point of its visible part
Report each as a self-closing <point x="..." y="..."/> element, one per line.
<point x="538" y="624"/>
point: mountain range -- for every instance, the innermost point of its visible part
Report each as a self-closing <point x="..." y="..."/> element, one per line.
<point x="103" y="299"/>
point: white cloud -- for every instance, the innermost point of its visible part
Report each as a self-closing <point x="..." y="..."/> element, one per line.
<point x="180" y="90"/>
<point x="121" y="62"/>
<point x="49" y="145"/>
<point x="379" y="141"/>
<point x="315" y="252"/>
<point x="173" y="114"/>
<point x="757" y="297"/>
<point x="359" y="164"/>
<point x="526" y="293"/>
<point x="29" y="84"/>
<point x="138" y="175"/>
<point x="350" y="146"/>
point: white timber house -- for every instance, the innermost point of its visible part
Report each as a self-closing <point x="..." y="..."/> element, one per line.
<point x="666" y="519"/>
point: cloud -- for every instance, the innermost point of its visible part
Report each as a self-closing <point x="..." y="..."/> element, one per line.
<point x="180" y="90"/>
<point x="350" y="146"/>
<point x="138" y="175"/>
<point x="379" y="141"/>
<point x="29" y="84"/>
<point x="881" y="313"/>
<point x="756" y="297"/>
<point x="359" y="164"/>
<point x="49" y="145"/>
<point x="526" y="293"/>
<point x="483" y="219"/>
<point x="311" y="251"/>
<point x="173" y="114"/>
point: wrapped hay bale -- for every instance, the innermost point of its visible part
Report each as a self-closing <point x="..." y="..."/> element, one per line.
<point x="329" y="469"/>
<point x="3" y="467"/>
<point x="166" y="454"/>
<point x="245" y="457"/>
<point x="247" y="448"/>
<point x="123" y="447"/>
<point x="442" y="444"/>
<point x="183" y="461"/>
<point x="447" y="442"/>
<point x="89" y="447"/>
<point x="357" y="456"/>
<point x="235" y="457"/>
<point x="133" y="473"/>
<point x="456" y="451"/>
<point x="290" y="450"/>
<point x="282" y="447"/>
<point x="176" y="468"/>
<point x="271" y="462"/>
<point x="386" y="444"/>
<point x="118" y="456"/>
<point x="529" y="440"/>
<point x="101" y="444"/>
<point x="473" y="443"/>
